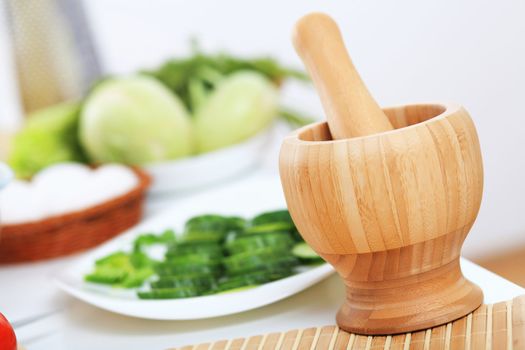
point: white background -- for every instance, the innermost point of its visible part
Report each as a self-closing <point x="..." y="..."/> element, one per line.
<point x="471" y="52"/>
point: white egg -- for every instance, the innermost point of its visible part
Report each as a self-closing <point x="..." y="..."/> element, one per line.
<point x="57" y="186"/>
<point x="113" y="180"/>
<point x="61" y="178"/>
<point x="19" y="204"/>
<point x="63" y="188"/>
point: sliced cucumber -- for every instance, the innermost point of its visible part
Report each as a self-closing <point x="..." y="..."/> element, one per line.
<point x="193" y="259"/>
<point x="270" y="227"/>
<point x="305" y="253"/>
<point x="147" y="239"/>
<point x="136" y="279"/>
<point x="253" y="279"/>
<point x="259" y="252"/>
<point x="203" y="237"/>
<point x="140" y="260"/>
<point x="272" y="217"/>
<point x="167" y="269"/>
<point x="250" y="243"/>
<point x="116" y="259"/>
<point x="170" y="255"/>
<point x="121" y="270"/>
<point x="202" y="282"/>
<point x="253" y="260"/>
<point x="168" y="293"/>
<point x="283" y="263"/>
<point x="210" y="248"/>
<point x="214" y="223"/>
<point x="106" y="276"/>
<point x="235" y="290"/>
<point x="279" y="220"/>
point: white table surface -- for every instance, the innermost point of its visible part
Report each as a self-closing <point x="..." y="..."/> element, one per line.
<point x="27" y="290"/>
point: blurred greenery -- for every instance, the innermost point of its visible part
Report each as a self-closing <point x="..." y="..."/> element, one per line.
<point x="48" y="137"/>
<point x="182" y="73"/>
<point x="205" y="85"/>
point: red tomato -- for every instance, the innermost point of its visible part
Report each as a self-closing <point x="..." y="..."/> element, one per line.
<point x="7" y="335"/>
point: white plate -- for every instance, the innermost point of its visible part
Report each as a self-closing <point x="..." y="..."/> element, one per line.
<point x="246" y="199"/>
<point x="208" y="168"/>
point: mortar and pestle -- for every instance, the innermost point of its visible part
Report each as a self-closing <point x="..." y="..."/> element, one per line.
<point x="387" y="196"/>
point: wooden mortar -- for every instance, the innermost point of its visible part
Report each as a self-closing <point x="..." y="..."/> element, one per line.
<point x="389" y="210"/>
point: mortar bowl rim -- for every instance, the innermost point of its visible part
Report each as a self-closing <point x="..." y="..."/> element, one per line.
<point x="447" y="109"/>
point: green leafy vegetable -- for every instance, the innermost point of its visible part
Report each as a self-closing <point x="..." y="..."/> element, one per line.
<point x="48" y="137"/>
<point x="135" y="120"/>
<point x="177" y="74"/>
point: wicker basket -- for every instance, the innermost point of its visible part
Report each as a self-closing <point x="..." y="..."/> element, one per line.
<point x="73" y="232"/>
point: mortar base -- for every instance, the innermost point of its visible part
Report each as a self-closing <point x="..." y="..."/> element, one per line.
<point x="408" y="304"/>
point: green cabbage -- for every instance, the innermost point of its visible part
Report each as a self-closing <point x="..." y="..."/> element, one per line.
<point x="135" y="120"/>
<point x="49" y="136"/>
<point x="242" y="104"/>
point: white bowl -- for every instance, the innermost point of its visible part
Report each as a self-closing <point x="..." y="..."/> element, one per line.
<point x="5" y="175"/>
<point x="208" y="168"/>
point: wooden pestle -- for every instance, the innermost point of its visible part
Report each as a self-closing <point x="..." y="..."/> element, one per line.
<point x="350" y="109"/>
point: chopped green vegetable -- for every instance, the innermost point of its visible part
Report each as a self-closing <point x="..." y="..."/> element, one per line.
<point x="107" y="275"/>
<point x="211" y="228"/>
<point x="235" y="290"/>
<point x="168" y="293"/>
<point x="254" y="260"/>
<point x="253" y="279"/>
<point x="213" y="249"/>
<point x="136" y="278"/>
<point x="254" y="242"/>
<point x="271" y="217"/>
<point x="121" y="269"/>
<point x="202" y="258"/>
<point x="168" y="269"/>
<point x="148" y="239"/>
<point x="212" y="222"/>
<point x="270" y="227"/>
<point x="48" y="137"/>
<point x="279" y="220"/>
<point x="306" y="254"/>
<point x="215" y="254"/>
<point x="202" y="282"/>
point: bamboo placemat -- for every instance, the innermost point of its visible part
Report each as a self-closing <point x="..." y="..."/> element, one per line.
<point x="498" y="326"/>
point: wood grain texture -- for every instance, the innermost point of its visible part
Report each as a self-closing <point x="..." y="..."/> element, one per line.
<point x="390" y="212"/>
<point x="350" y="109"/>
<point x="518" y="323"/>
<point x="468" y="333"/>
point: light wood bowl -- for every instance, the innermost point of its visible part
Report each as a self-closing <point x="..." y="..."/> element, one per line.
<point x="390" y="212"/>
